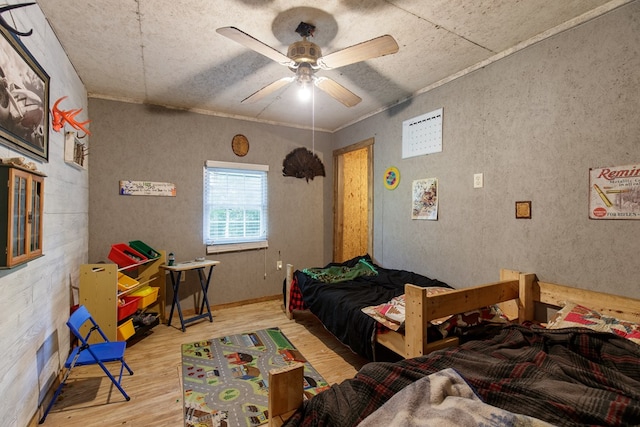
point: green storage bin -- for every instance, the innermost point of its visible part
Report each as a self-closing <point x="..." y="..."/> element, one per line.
<point x="144" y="249"/>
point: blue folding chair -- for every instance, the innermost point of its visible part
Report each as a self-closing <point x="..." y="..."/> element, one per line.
<point x="91" y="354"/>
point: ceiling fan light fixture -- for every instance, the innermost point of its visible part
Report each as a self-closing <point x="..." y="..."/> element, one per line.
<point x="304" y="58"/>
<point x="304" y="78"/>
<point x="304" y="92"/>
<point x="304" y="73"/>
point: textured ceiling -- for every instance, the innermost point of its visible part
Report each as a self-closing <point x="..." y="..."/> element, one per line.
<point x="167" y="52"/>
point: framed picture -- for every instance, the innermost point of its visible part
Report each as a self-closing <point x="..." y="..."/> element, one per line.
<point x="24" y="99"/>
<point x="523" y="210"/>
<point x="424" y="201"/>
<point x="614" y="192"/>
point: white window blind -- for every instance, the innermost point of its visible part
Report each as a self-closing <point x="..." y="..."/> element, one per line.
<point x="235" y="206"/>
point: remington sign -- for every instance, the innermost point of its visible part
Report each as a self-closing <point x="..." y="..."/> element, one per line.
<point x="614" y="192"/>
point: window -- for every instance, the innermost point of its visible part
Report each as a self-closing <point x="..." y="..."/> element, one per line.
<point x="235" y="206"/>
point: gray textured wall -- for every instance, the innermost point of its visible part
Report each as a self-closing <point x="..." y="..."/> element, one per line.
<point x="533" y="123"/>
<point x="138" y="142"/>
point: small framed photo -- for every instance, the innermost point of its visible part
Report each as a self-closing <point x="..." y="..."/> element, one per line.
<point x="523" y="210"/>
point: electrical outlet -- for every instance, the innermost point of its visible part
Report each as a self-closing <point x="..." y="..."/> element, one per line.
<point x="478" y="181"/>
<point x="278" y="265"/>
<point x="183" y="276"/>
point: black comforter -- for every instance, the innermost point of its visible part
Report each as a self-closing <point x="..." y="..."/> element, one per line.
<point x="339" y="305"/>
<point x="566" y="377"/>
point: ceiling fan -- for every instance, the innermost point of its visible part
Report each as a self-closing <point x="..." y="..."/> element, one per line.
<point x="304" y="58"/>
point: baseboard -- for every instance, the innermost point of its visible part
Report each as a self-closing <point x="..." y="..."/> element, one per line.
<point x="192" y="311"/>
<point x="245" y="302"/>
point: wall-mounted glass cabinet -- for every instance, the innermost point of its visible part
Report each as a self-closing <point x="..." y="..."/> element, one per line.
<point x="21" y="221"/>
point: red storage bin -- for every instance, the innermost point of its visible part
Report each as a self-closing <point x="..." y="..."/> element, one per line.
<point x="124" y="255"/>
<point x="128" y="308"/>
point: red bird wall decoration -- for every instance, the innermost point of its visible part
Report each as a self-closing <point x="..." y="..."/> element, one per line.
<point x="60" y="117"/>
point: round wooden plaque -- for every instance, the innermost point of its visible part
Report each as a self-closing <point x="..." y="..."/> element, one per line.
<point x="240" y="145"/>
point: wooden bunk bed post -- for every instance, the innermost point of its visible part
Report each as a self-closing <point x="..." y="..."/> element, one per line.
<point x="285" y="392"/>
<point x="511" y="309"/>
<point x="528" y="296"/>
<point x="418" y="314"/>
<point x="287" y="292"/>
<point x="415" y="325"/>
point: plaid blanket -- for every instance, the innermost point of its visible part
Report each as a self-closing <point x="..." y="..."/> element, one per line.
<point x="295" y="297"/>
<point x="566" y="377"/>
<point x="444" y="399"/>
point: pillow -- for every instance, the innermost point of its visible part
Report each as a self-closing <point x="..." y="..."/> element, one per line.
<point x="575" y="315"/>
<point x="372" y="312"/>
<point x="392" y="314"/>
<point x="457" y="322"/>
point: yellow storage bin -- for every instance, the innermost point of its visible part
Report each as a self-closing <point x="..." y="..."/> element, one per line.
<point x="148" y="295"/>
<point x="125" y="282"/>
<point x="126" y="330"/>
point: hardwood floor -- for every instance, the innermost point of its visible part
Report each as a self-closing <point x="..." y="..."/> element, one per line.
<point x="155" y="389"/>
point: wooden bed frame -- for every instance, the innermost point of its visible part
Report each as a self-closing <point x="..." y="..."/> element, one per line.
<point x="524" y="293"/>
<point x="421" y="308"/>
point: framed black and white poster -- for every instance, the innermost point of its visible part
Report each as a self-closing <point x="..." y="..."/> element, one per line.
<point x="24" y="99"/>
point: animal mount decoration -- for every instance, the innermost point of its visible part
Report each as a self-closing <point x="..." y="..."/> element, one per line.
<point x="9" y="27"/>
<point x="60" y="117"/>
<point x="302" y="163"/>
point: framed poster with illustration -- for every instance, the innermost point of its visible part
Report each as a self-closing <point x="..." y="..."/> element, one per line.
<point x="24" y="99"/>
<point x="424" y="201"/>
<point x="614" y="192"/>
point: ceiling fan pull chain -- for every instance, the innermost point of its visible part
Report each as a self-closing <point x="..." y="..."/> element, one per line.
<point x="313" y="119"/>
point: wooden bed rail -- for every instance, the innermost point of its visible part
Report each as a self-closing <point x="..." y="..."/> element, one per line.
<point x="554" y="295"/>
<point x="421" y="308"/>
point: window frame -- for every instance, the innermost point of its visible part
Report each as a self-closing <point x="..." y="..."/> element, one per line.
<point x="241" y="243"/>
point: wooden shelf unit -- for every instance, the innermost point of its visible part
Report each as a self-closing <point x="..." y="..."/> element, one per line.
<point x="99" y="291"/>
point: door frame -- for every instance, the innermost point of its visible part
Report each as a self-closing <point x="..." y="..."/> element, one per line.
<point x="338" y="190"/>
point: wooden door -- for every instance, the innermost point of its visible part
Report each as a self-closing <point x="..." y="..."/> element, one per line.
<point x="353" y="201"/>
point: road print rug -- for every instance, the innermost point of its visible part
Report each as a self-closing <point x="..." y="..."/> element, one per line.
<point x="225" y="380"/>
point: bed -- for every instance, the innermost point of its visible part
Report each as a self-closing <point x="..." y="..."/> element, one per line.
<point x="583" y="368"/>
<point x="339" y="305"/>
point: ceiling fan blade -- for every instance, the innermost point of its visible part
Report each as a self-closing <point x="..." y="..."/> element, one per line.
<point x="268" y="90"/>
<point x="374" y="48"/>
<point x="337" y="91"/>
<point x="254" y="44"/>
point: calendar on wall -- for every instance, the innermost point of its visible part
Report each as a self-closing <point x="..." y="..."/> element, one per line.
<point x="422" y="135"/>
